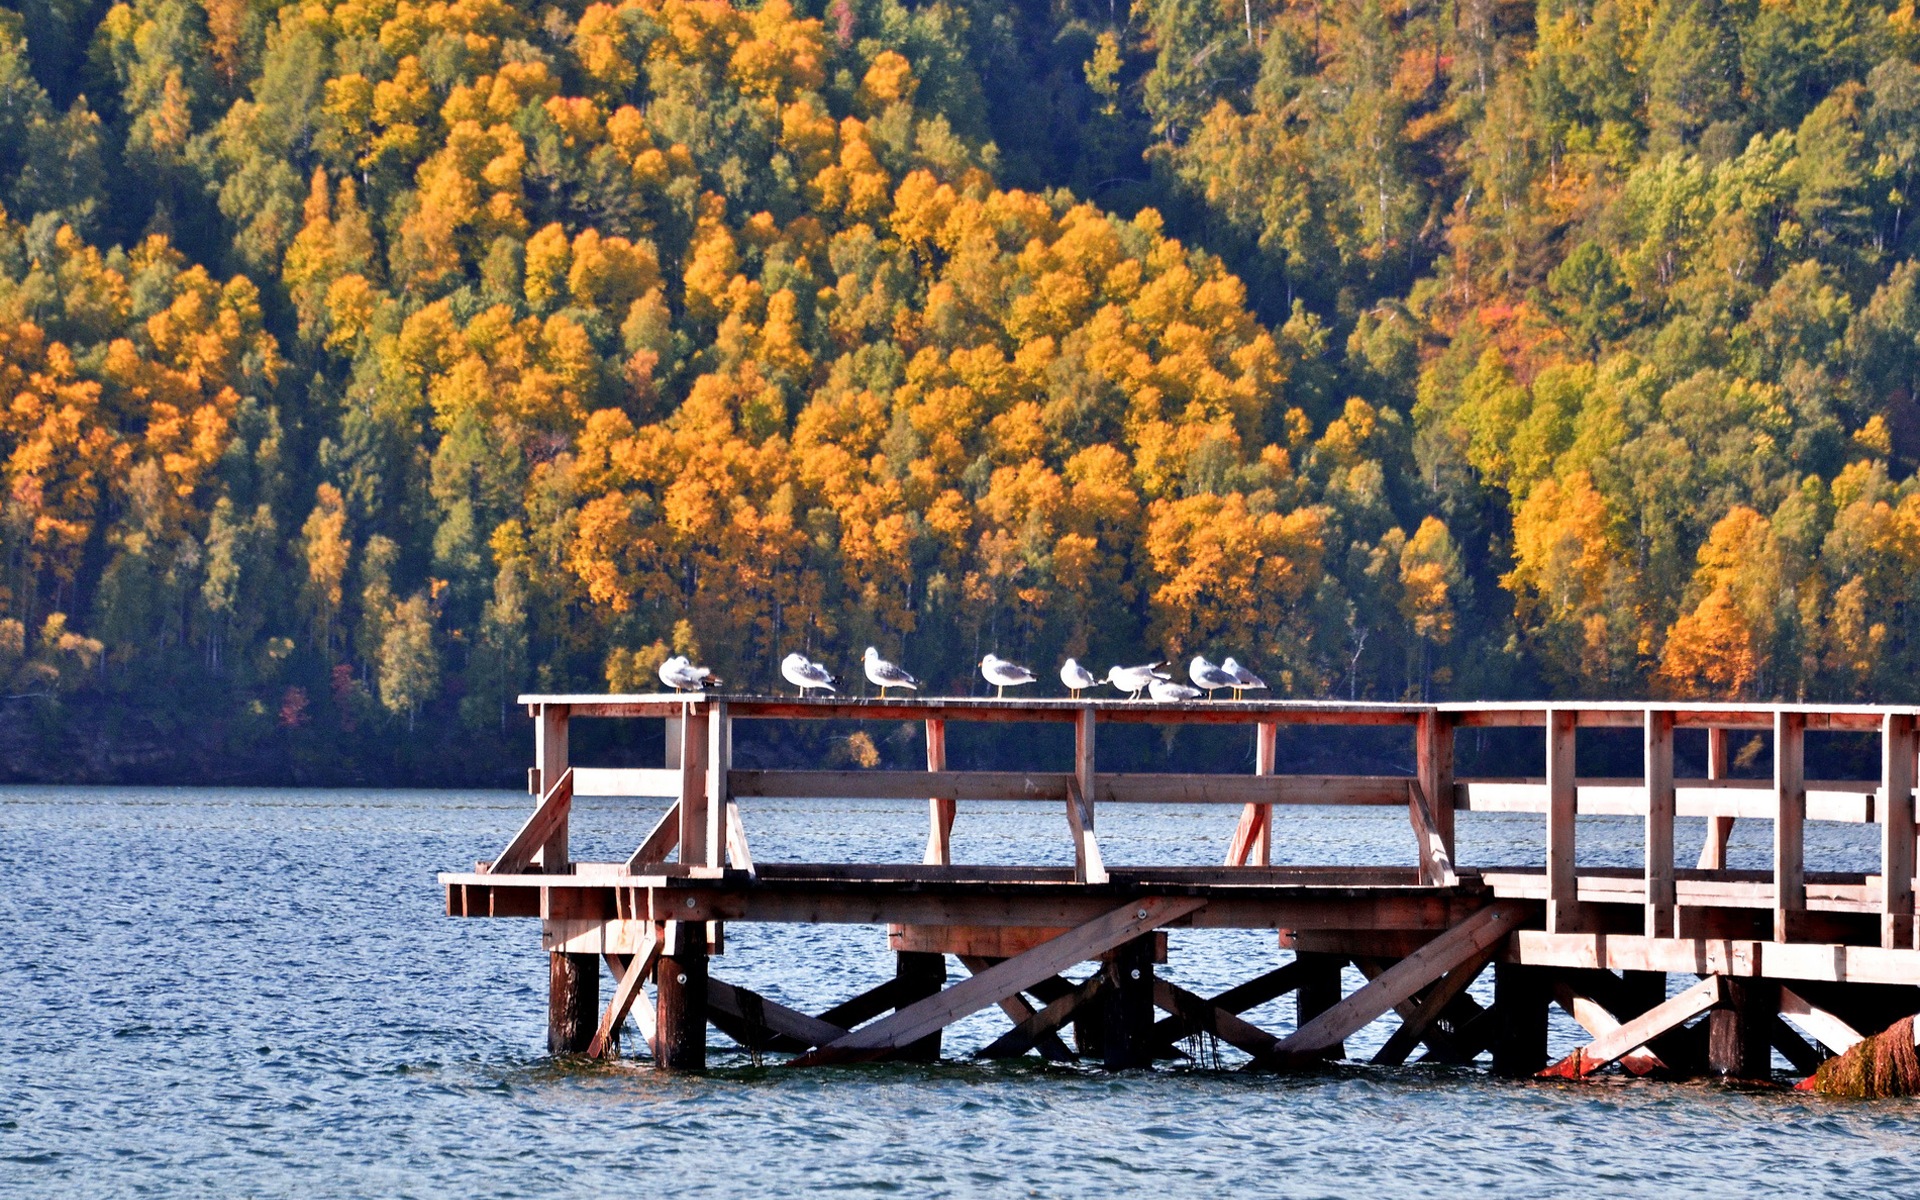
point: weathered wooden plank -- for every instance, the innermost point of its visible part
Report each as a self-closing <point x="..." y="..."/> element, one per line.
<point x="1124" y="788"/>
<point x="1898" y="745"/>
<point x="634" y="975"/>
<point x="1004" y="979"/>
<point x="545" y="828"/>
<point x="1414" y="1027"/>
<point x="1824" y="1027"/>
<point x="1563" y="899"/>
<point x="1026" y="1034"/>
<point x="1718" y="800"/>
<point x="661" y="841"/>
<point x="1198" y="1014"/>
<point x="1452" y="948"/>
<point x="901" y="785"/>
<point x="1642" y="1029"/>
<point x="941" y="809"/>
<point x="1789" y="823"/>
<point x="626" y="781"/>
<point x="749" y="1006"/>
<point x="1658" y="750"/>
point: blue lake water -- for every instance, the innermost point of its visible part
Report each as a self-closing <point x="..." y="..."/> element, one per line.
<point x="255" y="993"/>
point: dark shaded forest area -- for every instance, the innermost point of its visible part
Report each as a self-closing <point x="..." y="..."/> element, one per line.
<point x="367" y="363"/>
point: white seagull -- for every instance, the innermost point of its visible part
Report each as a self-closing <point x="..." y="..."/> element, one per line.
<point x="1243" y="679"/>
<point x="1003" y="674"/>
<point x="1206" y="676"/>
<point x="1077" y="678"/>
<point x="1134" y="680"/>
<point x="886" y="675"/>
<point x="1166" y="691"/>
<point x="804" y="673"/>
<point x="680" y="674"/>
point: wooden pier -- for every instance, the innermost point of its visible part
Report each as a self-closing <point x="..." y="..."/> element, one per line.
<point x="1789" y="959"/>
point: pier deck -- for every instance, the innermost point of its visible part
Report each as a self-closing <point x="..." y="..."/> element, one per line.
<point x="1804" y="962"/>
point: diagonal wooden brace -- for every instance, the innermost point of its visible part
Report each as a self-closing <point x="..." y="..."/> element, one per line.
<point x="1642" y="1029"/>
<point x="1413" y="1029"/>
<point x="1235" y="1000"/>
<point x="658" y="843"/>
<point x="1049" y="990"/>
<point x="769" y="1024"/>
<point x="1016" y="974"/>
<point x="1593" y="1015"/>
<point x="1464" y="941"/>
<point x="1436" y="864"/>
<point x="1198" y="1014"/>
<point x="547" y="819"/>
<point x="639" y="967"/>
<point x="1042" y="1024"/>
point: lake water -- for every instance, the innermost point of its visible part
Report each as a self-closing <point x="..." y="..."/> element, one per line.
<point x="255" y="993"/>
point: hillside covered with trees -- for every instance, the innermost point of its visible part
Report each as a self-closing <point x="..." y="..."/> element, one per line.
<point x="363" y="364"/>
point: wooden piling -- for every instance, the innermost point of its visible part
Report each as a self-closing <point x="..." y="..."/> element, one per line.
<point x="1319" y="991"/>
<point x="917" y="975"/>
<point x="1520" y="998"/>
<point x="1125" y="1004"/>
<point x="680" y="996"/>
<point x="573" y="1002"/>
<point x="1740" y="1029"/>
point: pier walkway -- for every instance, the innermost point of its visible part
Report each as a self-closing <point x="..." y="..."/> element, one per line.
<point x="1804" y="962"/>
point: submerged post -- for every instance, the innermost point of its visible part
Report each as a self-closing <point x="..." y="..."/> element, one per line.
<point x="1520" y="999"/>
<point x="1740" y="1030"/>
<point x="573" y="1001"/>
<point x="1319" y="991"/>
<point x="917" y="975"/>
<point x="680" y="999"/>
<point x="1126" y="1004"/>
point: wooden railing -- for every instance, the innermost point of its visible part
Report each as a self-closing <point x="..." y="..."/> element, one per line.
<point x="705" y="828"/>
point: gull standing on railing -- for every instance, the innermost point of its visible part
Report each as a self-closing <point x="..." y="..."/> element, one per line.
<point x="1077" y="678"/>
<point x="1208" y="677"/>
<point x="1166" y="691"/>
<point x="886" y="675"/>
<point x="1003" y="674"/>
<point x="1134" y="680"/>
<point x="804" y="673"/>
<point x="680" y="674"/>
<point x="1243" y="679"/>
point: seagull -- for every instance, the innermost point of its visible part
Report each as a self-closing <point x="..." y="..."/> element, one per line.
<point x="1134" y="680"/>
<point x="678" y="673"/>
<point x="1166" y="691"/>
<point x="886" y="675"/>
<point x="1077" y="678"/>
<point x="1206" y="676"/>
<point x="1243" y="679"/>
<point x="1003" y="674"/>
<point x="803" y="673"/>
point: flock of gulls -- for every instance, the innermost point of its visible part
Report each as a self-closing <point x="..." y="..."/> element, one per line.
<point x="680" y="674"/>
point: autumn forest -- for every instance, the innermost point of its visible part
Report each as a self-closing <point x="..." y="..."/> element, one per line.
<point x="365" y="363"/>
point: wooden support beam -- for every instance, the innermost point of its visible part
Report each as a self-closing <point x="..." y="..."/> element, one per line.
<point x="940" y="809"/>
<point x="1521" y="995"/>
<point x="1563" y="901"/>
<point x="538" y="833"/>
<point x="1440" y="1042"/>
<point x="1898" y="745"/>
<point x="1829" y="1030"/>
<point x="770" y="1024"/>
<point x="1789" y="824"/>
<point x="633" y="975"/>
<point x="1087" y="864"/>
<point x="661" y="841"/>
<point x="550" y="762"/>
<point x="1740" y="1028"/>
<point x="1713" y="851"/>
<point x="1624" y="1039"/>
<point x="693" y="794"/>
<point x="573" y="1001"/>
<point x="680" y="998"/>
<point x="1019" y="1011"/>
<point x="739" y="856"/>
<point x="1236" y="1000"/>
<point x="866" y="1006"/>
<point x="1658" y="745"/>
<point x="1413" y="1029"/>
<point x="1433" y="767"/>
<point x="1802" y="1054"/>
<point x="917" y="1020"/>
<point x="1463" y="942"/>
<point x="1048" y="1021"/>
<point x="1195" y="1014"/>
<point x="1594" y="1014"/>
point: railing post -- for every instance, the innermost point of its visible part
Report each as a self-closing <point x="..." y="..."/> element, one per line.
<point x="1789" y="823"/>
<point x="693" y="786"/>
<point x="1265" y="752"/>
<point x="550" y="760"/>
<point x="1660" y="806"/>
<point x="1433" y="764"/>
<point x="1713" y="851"/>
<point x="1897" y="747"/>
<point x="1087" y="865"/>
<point x="719" y="761"/>
<point x="940" y="811"/>
<point x="1563" y="896"/>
